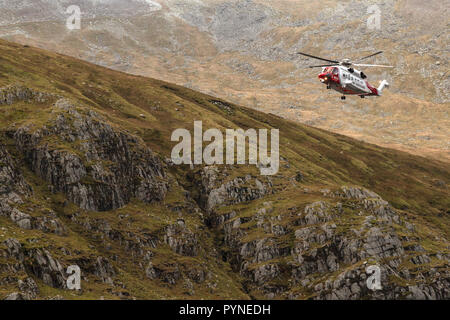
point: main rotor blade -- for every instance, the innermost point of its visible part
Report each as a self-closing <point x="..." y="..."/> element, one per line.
<point x="322" y="65"/>
<point x="373" y="65"/>
<point x="314" y="57"/>
<point x="373" y="54"/>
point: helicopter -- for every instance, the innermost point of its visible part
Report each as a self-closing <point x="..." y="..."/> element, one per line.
<point x="344" y="78"/>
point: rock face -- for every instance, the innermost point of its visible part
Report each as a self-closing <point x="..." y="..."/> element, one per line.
<point x="12" y="94"/>
<point x="99" y="168"/>
<point x="37" y="262"/>
<point x="45" y="267"/>
<point x="104" y="270"/>
<point x="241" y="189"/>
<point x="321" y="247"/>
<point x="181" y="239"/>
<point x="13" y="190"/>
<point x="12" y="183"/>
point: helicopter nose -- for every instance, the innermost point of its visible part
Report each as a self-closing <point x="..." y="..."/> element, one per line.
<point x="324" y="77"/>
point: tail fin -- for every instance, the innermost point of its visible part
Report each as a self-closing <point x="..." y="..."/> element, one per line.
<point x="383" y="84"/>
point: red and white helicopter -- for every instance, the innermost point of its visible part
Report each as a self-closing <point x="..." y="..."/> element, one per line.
<point x="342" y="77"/>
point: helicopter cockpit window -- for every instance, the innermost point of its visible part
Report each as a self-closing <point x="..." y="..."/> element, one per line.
<point x="335" y="70"/>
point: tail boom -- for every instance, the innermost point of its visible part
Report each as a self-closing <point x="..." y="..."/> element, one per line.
<point x="383" y="84"/>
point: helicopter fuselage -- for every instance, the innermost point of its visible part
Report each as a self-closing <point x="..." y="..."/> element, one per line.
<point x="347" y="81"/>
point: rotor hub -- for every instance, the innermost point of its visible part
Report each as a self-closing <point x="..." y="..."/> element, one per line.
<point x="346" y="62"/>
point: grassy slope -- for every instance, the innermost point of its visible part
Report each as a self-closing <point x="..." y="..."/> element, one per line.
<point x="326" y="160"/>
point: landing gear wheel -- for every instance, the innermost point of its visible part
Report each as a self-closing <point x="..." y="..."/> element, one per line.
<point x="362" y="97"/>
<point x="343" y="98"/>
<point x="328" y="87"/>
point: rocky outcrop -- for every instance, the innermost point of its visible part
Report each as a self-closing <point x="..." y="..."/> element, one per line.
<point x="356" y="193"/>
<point x="42" y="265"/>
<point x="104" y="270"/>
<point x="13" y="190"/>
<point x="173" y="273"/>
<point x="322" y="247"/>
<point x="29" y="288"/>
<point x="136" y="244"/>
<point x="38" y="262"/>
<point x="97" y="166"/>
<point x="215" y="192"/>
<point x="12" y="183"/>
<point x="48" y="224"/>
<point x="12" y="94"/>
<point x="181" y="239"/>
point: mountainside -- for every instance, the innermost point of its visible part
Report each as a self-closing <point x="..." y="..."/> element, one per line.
<point x="244" y="52"/>
<point x="86" y="179"/>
